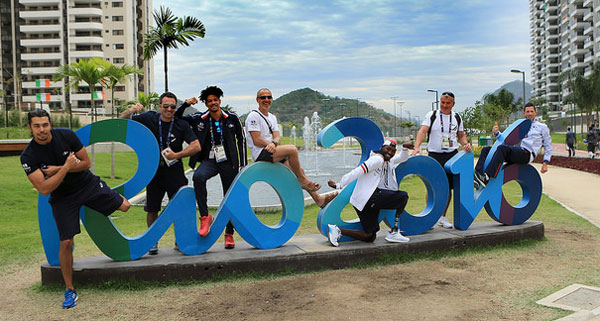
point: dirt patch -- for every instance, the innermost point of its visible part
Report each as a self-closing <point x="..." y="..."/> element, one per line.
<point x="498" y="284"/>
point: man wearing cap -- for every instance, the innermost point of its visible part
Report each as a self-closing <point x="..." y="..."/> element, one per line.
<point x="223" y="152"/>
<point x="264" y="144"/>
<point x="170" y="134"/>
<point x="445" y="130"/>
<point x="376" y="189"/>
<point x="538" y="136"/>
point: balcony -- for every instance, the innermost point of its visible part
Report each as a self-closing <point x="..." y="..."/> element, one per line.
<point x="577" y="12"/>
<point x="578" y="24"/>
<point x="589" y="15"/>
<point x="588" y="3"/>
<point x="578" y="51"/>
<point x="588" y="43"/>
<point x="39" y="2"/>
<point x="575" y="63"/>
<point x="31" y="84"/>
<point x="86" y="40"/>
<point x="85" y="26"/>
<point x="86" y="12"/>
<point x="41" y="42"/>
<point x="42" y="56"/>
<point x="587" y="71"/>
<point x="39" y="28"/>
<point x="589" y="29"/>
<point x="589" y="57"/>
<point x="46" y="14"/>
<point x="86" y="54"/>
<point x="38" y="70"/>
<point x="33" y="99"/>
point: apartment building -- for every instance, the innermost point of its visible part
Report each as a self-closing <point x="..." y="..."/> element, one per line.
<point x="565" y="35"/>
<point x="56" y="32"/>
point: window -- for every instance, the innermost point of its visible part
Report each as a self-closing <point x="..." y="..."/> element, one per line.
<point x="106" y="31"/>
<point x="118" y="46"/>
<point x="117" y="4"/>
<point x="118" y="60"/>
<point x="119" y="88"/>
<point x="117" y="18"/>
<point x="118" y="32"/>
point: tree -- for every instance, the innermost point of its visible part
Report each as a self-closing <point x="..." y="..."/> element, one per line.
<point x="170" y="32"/>
<point x="116" y="75"/>
<point x="581" y="92"/>
<point x="148" y="101"/>
<point x="503" y="104"/>
<point x="89" y="71"/>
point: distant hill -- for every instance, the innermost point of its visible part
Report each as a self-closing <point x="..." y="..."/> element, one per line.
<point x="292" y="107"/>
<point x="516" y="88"/>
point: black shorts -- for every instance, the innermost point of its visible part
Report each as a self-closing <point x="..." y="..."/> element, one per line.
<point x="165" y="180"/>
<point x="442" y="158"/>
<point x="381" y="199"/>
<point x="96" y="195"/>
<point x="266" y="156"/>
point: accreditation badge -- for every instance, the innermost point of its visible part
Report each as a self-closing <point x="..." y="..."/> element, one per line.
<point x="219" y="153"/>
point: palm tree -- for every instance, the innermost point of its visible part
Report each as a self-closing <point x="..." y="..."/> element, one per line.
<point x="148" y="101"/>
<point x="89" y="71"/>
<point x="116" y="75"/>
<point x="170" y="32"/>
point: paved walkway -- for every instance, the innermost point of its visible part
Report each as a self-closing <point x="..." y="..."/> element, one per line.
<point x="561" y="150"/>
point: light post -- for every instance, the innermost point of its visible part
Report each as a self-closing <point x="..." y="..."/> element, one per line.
<point x="357" y="102"/>
<point x="395" y="117"/>
<point x="325" y="104"/>
<point x="400" y="103"/>
<point x="437" y="101"/>
<point x="342" y="109"/>
<point x="517" y="71"/>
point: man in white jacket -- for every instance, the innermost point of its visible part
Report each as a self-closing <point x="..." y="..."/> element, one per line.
<point x="376" y="189"/>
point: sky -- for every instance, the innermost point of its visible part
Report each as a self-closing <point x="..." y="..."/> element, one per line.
<point x="367" y="49"/>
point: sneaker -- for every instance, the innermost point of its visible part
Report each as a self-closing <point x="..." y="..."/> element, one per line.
<point x="334" y="234"/>
<point x="443" y="222"/>
<point x="70" y="298"/>
<point x="481" y="178"/>
<point x="229" y="243"/>
<point x="176" y="247"/>
<point x="205" y="222"/>
<point x="154" y="250"/>
<point x="396" y="237"/>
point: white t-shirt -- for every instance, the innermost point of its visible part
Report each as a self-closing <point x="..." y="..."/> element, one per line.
<point x="256" y="123"/>
<point x="435" y="137"/>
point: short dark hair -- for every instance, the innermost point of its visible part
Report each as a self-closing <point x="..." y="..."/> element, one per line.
<point x="529" y="105"/>
<point x="167" y="94"/>
<point x="568" y="128"/>
<point x="37" y="113"/>
<point x="211" y="90"/>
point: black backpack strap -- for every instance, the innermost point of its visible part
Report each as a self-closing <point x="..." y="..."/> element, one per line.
<point x="431" y="120"/>
<point x="266" y="121"/>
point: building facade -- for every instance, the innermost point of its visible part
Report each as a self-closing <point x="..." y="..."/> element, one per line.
<point x="565" y="35"/>
<point x="51" y="33"/>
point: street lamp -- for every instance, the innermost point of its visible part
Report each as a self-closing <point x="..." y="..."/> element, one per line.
<point x="395" y="118"/>
<point x="357" y="102"/>
<point x="437" y="101"/>
<point x="517" y="71"/>
<point x="325" y="104"/>
<point x="342" y="109"/>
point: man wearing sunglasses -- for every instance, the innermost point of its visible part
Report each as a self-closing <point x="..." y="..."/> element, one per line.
<point x="444" y="130"/>
<point x="223" y="151"/>
<point x="264" y="143"/>
<point x="170" y="134"/>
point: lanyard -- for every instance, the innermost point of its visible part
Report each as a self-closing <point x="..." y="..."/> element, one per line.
<point x="442" y="122"/>
<point x="160" y="132"/>
<point x="212" y="135"/>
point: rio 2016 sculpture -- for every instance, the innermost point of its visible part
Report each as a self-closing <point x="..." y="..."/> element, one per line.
<point x="181" y="211"/>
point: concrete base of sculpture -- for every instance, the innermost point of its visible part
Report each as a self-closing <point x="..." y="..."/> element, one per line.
<point x="301" y="253"/>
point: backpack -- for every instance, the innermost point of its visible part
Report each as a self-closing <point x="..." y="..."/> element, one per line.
<point x="434" y="116"/>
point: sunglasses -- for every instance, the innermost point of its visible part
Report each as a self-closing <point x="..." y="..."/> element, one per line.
<point x="265" y="97"/>
<point x="172" y="106"/>
<point x="447" y="93"/>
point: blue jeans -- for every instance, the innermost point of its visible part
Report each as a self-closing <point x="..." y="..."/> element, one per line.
<point x="207" y="169"/>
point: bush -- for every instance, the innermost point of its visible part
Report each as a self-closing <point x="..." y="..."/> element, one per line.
<point x="13" y="119"/>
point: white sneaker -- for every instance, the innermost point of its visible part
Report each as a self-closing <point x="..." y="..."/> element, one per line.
<point x="334" y="234"/>
<point x="396" y="237"/>
<point x="443" y="222"/>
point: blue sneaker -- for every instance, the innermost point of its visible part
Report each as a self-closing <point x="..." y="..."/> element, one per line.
<point x="70" y="298"/>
